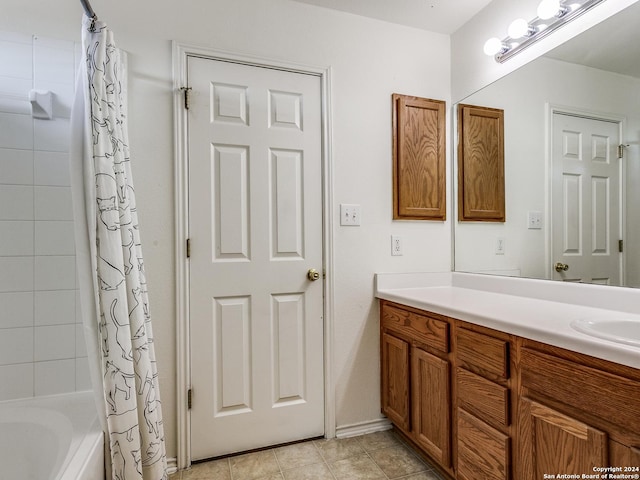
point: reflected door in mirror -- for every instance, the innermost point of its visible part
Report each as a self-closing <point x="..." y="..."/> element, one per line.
<point x="586" y="199"/>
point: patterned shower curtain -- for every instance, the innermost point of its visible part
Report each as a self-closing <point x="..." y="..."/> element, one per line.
<point x="113" y="288"/>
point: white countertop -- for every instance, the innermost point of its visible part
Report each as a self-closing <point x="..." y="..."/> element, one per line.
<point x="532" y="309"/>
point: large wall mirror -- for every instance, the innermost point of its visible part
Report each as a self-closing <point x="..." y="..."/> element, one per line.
<point x="571" y="203"/>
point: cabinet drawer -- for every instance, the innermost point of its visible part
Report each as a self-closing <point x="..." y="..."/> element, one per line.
<point x="479" y="351"/>
<point x="483" y="452"/>
<point x="605" y="395"/>
<point x="485" y="399"/>
<point x="429" y="331"/>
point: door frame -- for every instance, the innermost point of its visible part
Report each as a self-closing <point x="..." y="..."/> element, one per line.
<point x="181" y="53"/>
<point x="551" y="110"/>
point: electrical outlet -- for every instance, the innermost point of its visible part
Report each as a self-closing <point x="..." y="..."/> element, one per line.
<point x="500" y="246"/>
<point x="396" y="245"/>
<point x="534" y="220"/>
<point x="349" y="215"/>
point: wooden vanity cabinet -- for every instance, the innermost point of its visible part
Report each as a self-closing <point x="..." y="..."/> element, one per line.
<point x="487" y="405"/>
<point x="575" y="413"/>
<point x="416" y="378"/>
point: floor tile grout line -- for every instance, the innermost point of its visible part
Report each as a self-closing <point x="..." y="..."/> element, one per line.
<point x="278" y="462"/>
<point x="324" y="460"/>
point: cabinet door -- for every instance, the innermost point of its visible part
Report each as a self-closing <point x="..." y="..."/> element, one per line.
<point x="623" y="456"/>
<point x="552" y="442"/>
<point x="431" y="404"/>
<point x="419" y="158"/>
<point x="395" y="380"/>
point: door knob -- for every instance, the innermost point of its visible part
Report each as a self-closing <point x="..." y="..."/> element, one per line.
<point x="313" y="274"/>
<point x="561" y="267"/>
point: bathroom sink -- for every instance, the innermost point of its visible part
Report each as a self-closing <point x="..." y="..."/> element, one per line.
<point x="616" y="330"/>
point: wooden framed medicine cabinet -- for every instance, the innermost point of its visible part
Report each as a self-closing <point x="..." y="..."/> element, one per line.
<point x="480" y="164"/>
<point x="419" y="158"/>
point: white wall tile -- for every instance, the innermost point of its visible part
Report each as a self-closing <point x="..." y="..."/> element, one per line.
<point x="53" y="203"/>
<point x="16" y="37"/>
<point x="16" y="202"/>
<point x="78" y="307"/>
<point x="16" y="381"/>
<point x="54" y="238"/>
<point x="51" y="168"/>
<point x="14" y="95"/>
<point x="16" y="238"/>
<point x="55" y="273"/>
<point x="50" y="42"/>
<point x="37" y="255"/>
<point x="16" y="131"/>
<point x="53" y="135"/>
<point x="16" y="59"/>
<point x="16" y="87"/>
<point x="16" y="345"/>
<point x="55" y="307"/>
<point x="83" y="376"/>
<point x="77" y="54"/>
<point x="16" y="166"/>
<point x="11" y="104"/>
<point x="81" y="344"/>
<point x="16" y="274"/>
<point x="55" y="377"/>
<point x="17" y="310"/>
<point x="55" y="342"/>
<point x="53" y="60"/>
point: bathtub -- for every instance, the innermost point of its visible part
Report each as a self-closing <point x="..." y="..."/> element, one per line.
<point x="55" y="437"/>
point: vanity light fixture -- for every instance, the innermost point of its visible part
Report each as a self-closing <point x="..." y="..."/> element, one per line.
<point x="552" y="14"/>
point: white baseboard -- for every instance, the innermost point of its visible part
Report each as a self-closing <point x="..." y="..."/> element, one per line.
<point x="172" y="465"/>
<point x="363" y="428"/>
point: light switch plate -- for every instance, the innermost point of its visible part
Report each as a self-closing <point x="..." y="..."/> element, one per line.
<point x="534" y="220"/>
<point x="350" y="215"/>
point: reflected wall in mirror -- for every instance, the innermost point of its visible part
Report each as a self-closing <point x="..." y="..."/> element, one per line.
<point x="591" y="81"/>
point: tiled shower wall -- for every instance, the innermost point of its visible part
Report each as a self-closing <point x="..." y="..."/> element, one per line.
<point x="42" y="348"/>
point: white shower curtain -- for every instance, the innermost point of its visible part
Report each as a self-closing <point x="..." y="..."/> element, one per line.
<point x="113" y="288"/>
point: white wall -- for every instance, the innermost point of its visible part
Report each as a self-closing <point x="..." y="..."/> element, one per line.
<point x="472" y="70"/>
<point x="370" y="61"/>
<point x="557" y="83"/>
<point x="41" y="340"/>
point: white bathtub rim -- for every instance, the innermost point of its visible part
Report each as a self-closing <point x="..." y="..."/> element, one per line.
<point x="81" y="416"/>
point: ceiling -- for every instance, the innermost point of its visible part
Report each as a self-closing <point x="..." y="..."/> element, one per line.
<point x="612" y="45"/>
<point x="440" y="16"/>
<point x="598" y="47"/>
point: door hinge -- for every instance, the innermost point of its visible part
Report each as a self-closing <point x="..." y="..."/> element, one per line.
<point x="186" y="91"/>
<point x="621" y="148"/>
<point x="620" y="246"/>
<point x="189" y="398"/>
<point x="188" y="247"/>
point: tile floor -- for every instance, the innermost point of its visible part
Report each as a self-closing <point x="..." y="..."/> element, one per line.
<point x="380" y="455"/>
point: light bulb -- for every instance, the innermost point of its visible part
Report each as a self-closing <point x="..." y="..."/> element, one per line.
<point x="493" y="46"/>
<point x="548" y="9"/>
<point x="518" y="28"/>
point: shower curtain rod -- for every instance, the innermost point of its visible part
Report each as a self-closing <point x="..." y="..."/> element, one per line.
<point x="88" y="10"/>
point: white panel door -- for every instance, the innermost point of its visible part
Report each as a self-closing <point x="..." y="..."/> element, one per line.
<point x="255" y="224"/>
<point x="586" y="199"/>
